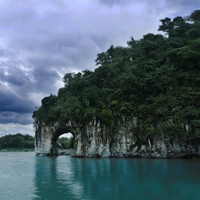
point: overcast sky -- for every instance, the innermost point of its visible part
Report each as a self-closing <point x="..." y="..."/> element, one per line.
<point x="41" y="40"/>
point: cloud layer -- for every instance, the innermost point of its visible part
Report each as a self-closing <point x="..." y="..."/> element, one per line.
<point x="42" y="40"/>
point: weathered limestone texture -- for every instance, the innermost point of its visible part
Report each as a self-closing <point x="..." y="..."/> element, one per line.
<point x="95" y="140"/>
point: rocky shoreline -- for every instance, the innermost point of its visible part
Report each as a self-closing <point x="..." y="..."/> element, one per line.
<point x="94" y="141"/>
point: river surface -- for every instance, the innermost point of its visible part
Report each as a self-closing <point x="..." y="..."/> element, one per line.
<point x="25" y="176"/>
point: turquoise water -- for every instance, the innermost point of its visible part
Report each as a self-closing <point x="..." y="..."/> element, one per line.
<point x="24" y="176"/>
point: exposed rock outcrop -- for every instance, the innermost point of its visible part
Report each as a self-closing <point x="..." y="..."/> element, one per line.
<point x="94" y="140"/>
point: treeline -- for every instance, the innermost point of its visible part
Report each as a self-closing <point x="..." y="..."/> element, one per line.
<point x="65" y="143"/>
<point x="154" y="80"/>
<point x="17" y="141"/>
<point x="27" y="141"/>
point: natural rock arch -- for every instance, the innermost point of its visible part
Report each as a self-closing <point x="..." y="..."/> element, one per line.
<point x="47" y="135"/>
<point x="59" y="131"/>
<point x="88" y="141"/>
<point x="92" y="140"/>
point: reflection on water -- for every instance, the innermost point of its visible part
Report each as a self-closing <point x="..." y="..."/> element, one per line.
<point x="32" y="177"/>
<point x="70" y="178"/>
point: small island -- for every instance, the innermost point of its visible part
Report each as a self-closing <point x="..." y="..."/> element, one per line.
<point x="142" y="100"/>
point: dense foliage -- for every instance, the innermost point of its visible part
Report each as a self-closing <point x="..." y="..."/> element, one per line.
<point x="65" y="143"/>
<point x="17" y="141"/>
<point x="154" y="80"/>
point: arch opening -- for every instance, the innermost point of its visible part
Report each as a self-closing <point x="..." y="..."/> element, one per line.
<point x="62" y="142"/>
<point x="65" y="141"/>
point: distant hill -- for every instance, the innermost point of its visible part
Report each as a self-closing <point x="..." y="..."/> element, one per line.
<point x="17" y="141"/>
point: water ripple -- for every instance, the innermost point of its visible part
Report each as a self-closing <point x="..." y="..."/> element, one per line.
<point x="25" y="176"/>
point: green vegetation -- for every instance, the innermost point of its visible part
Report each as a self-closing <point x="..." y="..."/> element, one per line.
<point x="154" y="80"/>
<point x="65" y="143"/>
<point x="17" y="142"/>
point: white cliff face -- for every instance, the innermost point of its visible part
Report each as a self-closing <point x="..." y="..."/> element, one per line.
<point x="93" y="140"/>
<point x="46" y="136"/>
<point x="43" y="140"/>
